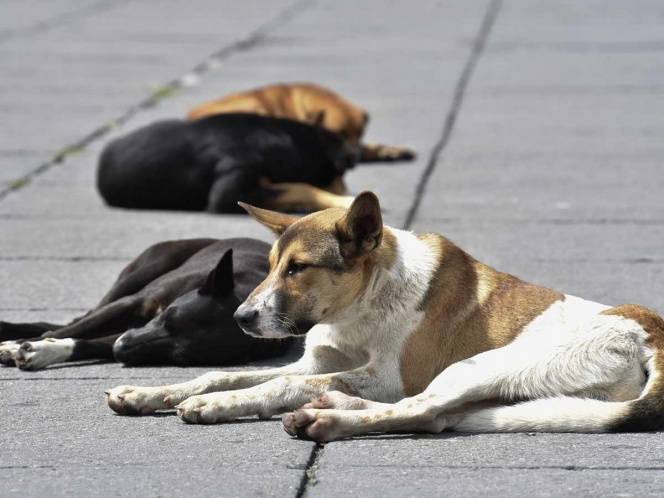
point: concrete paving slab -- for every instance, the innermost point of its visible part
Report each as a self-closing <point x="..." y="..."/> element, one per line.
<point x="56" y="284"/>
<point x="501" y="450"/>
<point x="86" y="50"/>
<point x="558" y="116"/>
<point x="478" y="482"/>
<point x="510" y="465"/>
<point x="77" y="444"/>
<point x="111" y="237"/>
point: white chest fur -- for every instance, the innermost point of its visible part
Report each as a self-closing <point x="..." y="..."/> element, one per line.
<point x="374" y="329"/>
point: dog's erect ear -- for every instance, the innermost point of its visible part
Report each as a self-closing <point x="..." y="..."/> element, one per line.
<point x="361" y="230"/>
<point x="277" y="222"/>
<point x="220" y="280"/>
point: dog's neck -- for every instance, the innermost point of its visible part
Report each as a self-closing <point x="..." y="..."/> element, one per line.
<point x="401" y="270"/>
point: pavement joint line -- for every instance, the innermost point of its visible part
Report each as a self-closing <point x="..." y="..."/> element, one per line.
<point x="65" y="258"/>
<point x="576" y="468"/>
<point x="19" y="467"/>
<point x="251" y="40"/>
<point x="548" y="221"/>
<point x="43" y="309"/>
<point x="309" y="476"/>
<point x="61" y="19"/>
<point x="450" y="120"/>
<point x="623" y="47"/>
<point x="639" y="261"/>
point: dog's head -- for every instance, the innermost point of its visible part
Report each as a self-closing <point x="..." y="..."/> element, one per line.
<point x="320" y="265"/>
<point x="341" y="151"/>
<point x="196" y="328"/>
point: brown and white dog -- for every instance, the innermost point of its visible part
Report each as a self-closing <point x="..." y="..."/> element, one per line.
<point x="311" y="104"/>
<point x="407" y="332"/>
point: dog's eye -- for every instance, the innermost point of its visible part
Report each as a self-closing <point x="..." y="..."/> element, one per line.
<point x="295" y="268"/>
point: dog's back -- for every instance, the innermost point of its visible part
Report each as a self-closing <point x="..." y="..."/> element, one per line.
<point x="153" y="168"/>
<point x="173" y="164"/>
<point x="305" y="102"/>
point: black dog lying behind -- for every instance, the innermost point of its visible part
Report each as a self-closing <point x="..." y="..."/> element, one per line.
<point x="215" y="162"/>
<point x="173" y="304"/>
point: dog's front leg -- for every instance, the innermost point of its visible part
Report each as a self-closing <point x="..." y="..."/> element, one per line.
<point x="132" y="400"/>
<point x="278" y="395"/>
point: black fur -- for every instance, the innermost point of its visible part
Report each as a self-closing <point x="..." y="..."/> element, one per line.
<point x="212" y="163"/>
<point x="173" y="304"/>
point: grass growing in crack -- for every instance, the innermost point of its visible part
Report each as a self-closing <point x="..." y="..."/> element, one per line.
<point x="18" y="183"/>
<point x="72" y="150"/>
<point x="164" y="92"/>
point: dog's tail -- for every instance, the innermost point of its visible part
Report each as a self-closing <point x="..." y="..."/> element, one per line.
<point x="570" y="414"/>
<point x="380" y="153"/>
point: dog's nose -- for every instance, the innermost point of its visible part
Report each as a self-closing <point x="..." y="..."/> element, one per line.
<point x="245" y="317"/>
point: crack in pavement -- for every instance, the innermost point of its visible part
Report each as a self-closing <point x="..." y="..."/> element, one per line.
<point x="309" y="478"/>
<point x="66" y="258"/>
<point x="450" y="120"/>
<point x="309" y="475"/>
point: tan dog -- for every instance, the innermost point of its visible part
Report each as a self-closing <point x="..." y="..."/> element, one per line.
<point x="407" y="332"/>
<point x="311" y="104"/>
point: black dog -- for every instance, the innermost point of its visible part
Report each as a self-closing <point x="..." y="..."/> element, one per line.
<point x="182" y="294"/>
<point x="215" y="162"/>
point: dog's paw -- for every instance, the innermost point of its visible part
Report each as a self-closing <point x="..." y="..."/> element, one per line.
<point x="133" y="400"/>
<point x="35" y="355"/>
<point x="8" y="350"/>
<point x="315" y="425"/>
<point x="203" y="409"/>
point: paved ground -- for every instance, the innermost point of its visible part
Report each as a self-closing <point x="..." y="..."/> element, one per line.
<point x="539" y="126"/>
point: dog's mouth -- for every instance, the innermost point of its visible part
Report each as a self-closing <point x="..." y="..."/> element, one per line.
<point x="268" y="334"/>
<point x="132" y="348"/>
<point x="278" y="328"/>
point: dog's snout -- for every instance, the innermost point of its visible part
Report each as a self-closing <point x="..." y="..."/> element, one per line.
<point x="245" y="316"/>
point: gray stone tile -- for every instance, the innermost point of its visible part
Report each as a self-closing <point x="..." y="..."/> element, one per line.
<point x="397" y="481"/>
<point x="78" y="446"/>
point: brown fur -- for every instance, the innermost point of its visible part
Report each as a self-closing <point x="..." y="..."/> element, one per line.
<point x="647" y="412"/>
<point x="308" y="103"/>
<point x="305" y="102"/>
<point x="469" y="308"/>
<point x="653" y="324"/>
<point x="305" y="197"/>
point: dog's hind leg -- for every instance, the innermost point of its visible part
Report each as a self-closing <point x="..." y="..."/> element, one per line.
<point x="152" y="263"/>
<point x="35" y="355"/>
<point x="113" y="318"/>
<point x="605" y="359"/>
<point x="337" y="186"/>
<point x="15" y="331"/>
<point x="302" y="197"/>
